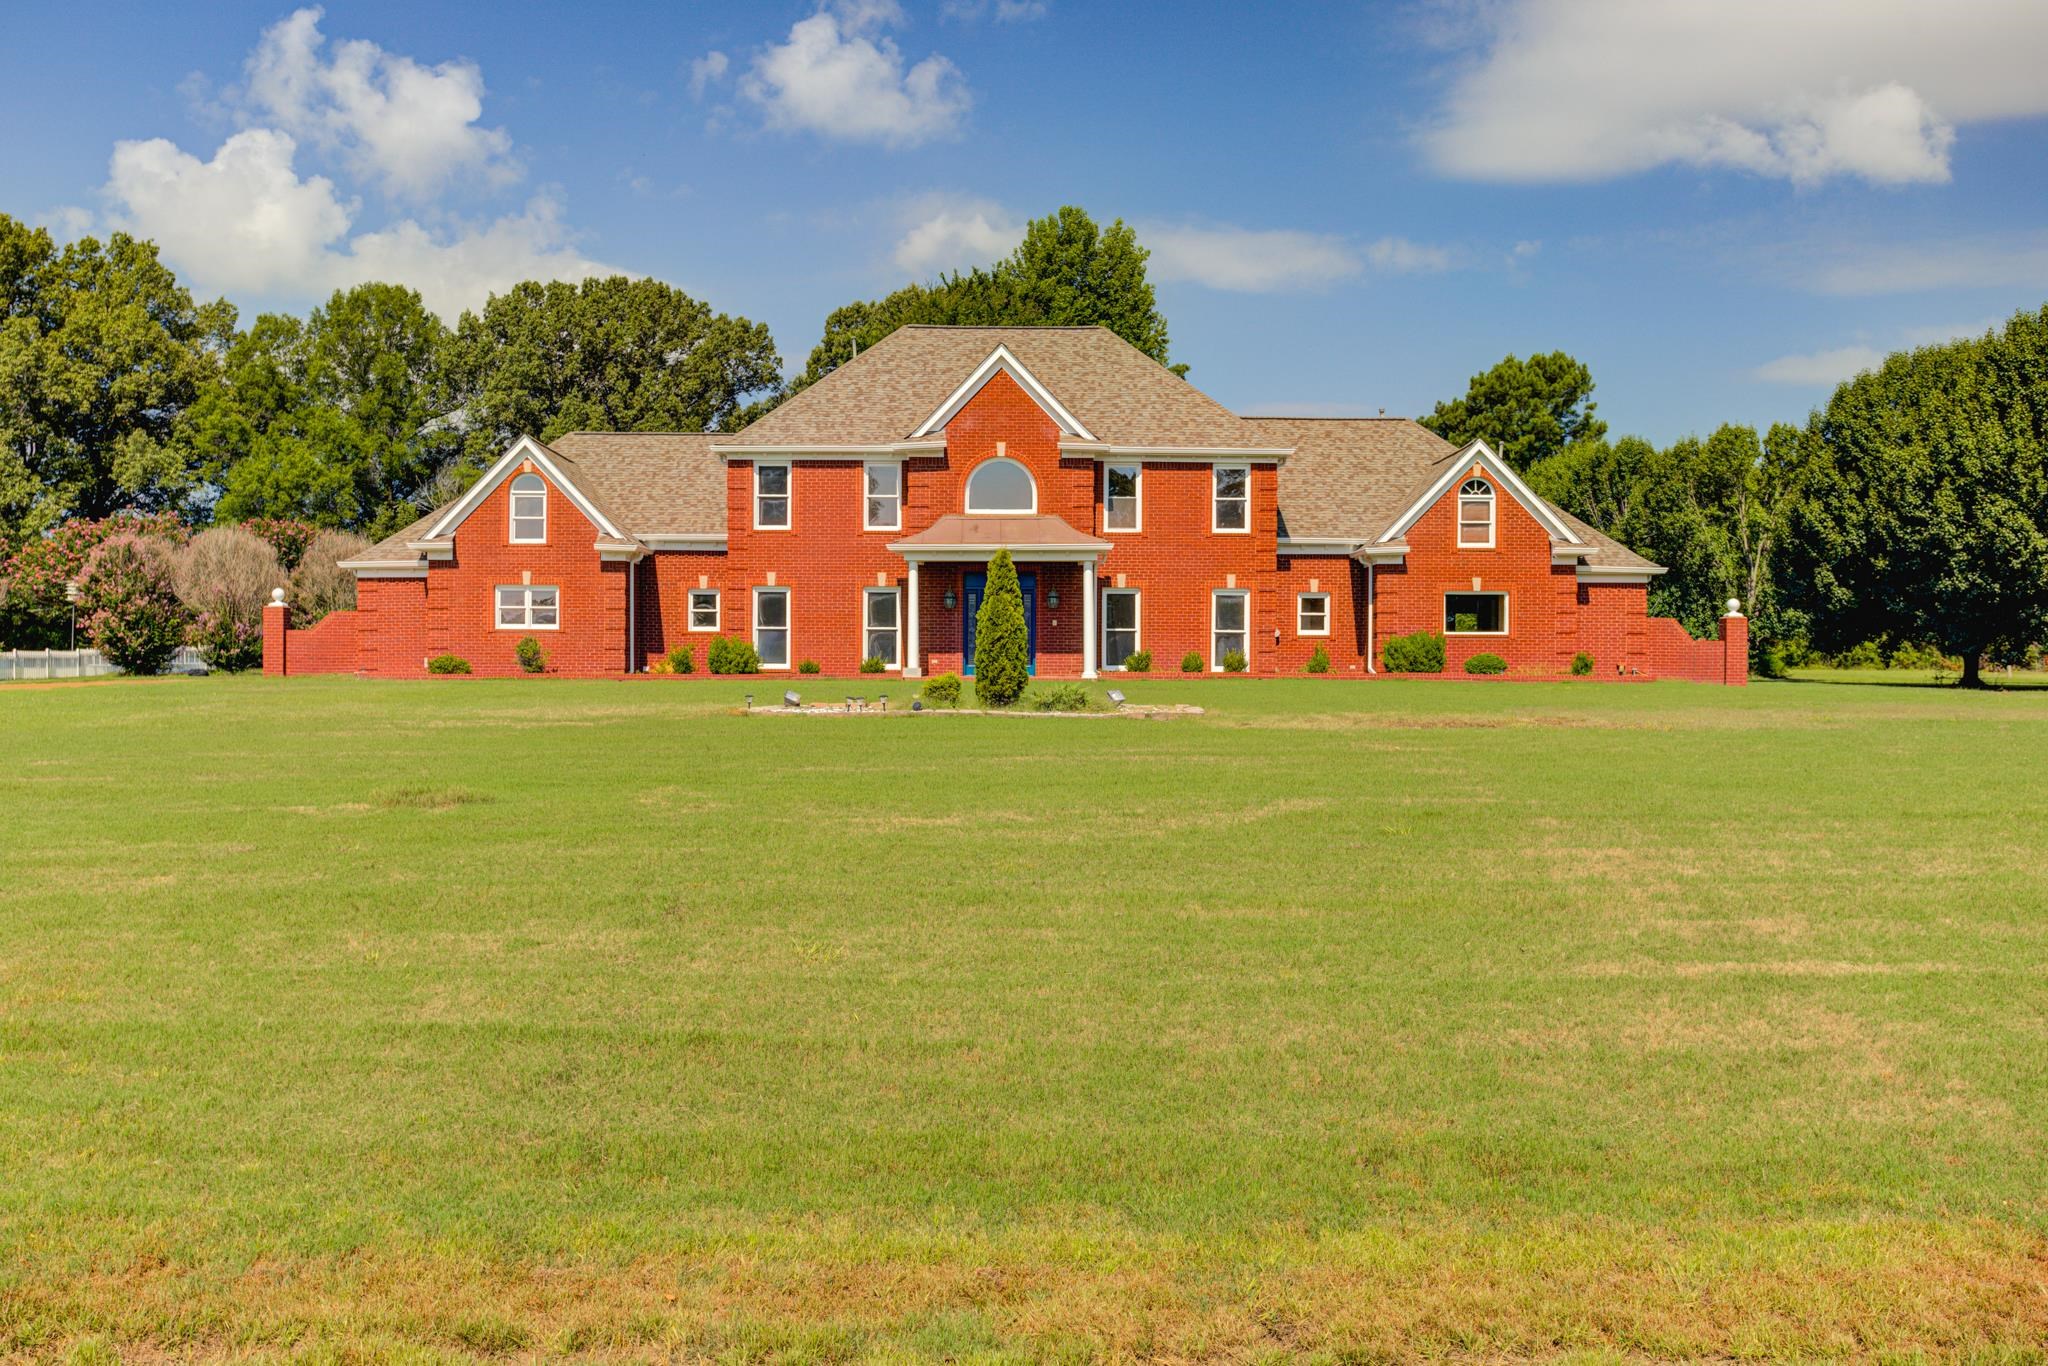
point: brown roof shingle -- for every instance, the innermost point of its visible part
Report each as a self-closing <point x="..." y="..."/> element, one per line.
<point x="649" y="483"/>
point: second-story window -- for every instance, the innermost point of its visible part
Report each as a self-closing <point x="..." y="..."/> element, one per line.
<point x="771" y="497"/>
<point x="1233" y="498"/>
<point x="529" y="510"/>
<point x="884" y="498"/>
<point x="1120" y="511"/>
<point x="1475" y="515"/>
<point x="999" y="487"/>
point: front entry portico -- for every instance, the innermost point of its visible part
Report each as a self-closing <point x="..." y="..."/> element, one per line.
<point x="962" y="546"/>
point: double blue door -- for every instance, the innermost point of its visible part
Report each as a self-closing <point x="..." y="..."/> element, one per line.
<point x="977" y="585"/>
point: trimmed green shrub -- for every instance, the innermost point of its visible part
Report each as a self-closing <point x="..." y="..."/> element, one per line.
<point x="1234" y="662"/>
<point x="1138" y="662"/>
<point x="1582" y="664"/>
<point x="1060" y="697"/>
<point x="128" y="604"/>
<point x="1002" y="645"/>
<point x="532" y="659"/>
<point x="1465" y="622"/>
<point x="1190" y="663"/>
<point x="1486" y="664"/>
<point x="808" y="666"/>
<point x="731" y="655"/>
<point x="1319" y="662"/>
<point x="873" y="665"/>
<point x="683" y="659"/>
<point x="944" y="690"/>
<point x="1420" y="653"/>
<point x="448" y="664"/>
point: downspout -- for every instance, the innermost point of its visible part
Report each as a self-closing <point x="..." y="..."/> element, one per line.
<point x="1372" y="579"/>
<point x="633" y="617"/>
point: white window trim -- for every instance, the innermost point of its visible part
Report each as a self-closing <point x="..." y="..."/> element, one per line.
<point x="865" y="594"/>
<point x="1468" y="593"/>
<point x="513" y="494"/>
<point x="1138" y="487"/>
<point x="1215" y="655"/>
<point x="967" y="490"/>
<point x="866" y="466"/>
<point x="788" y="628"/>
<point x="1301" y="630"/>
<point x="526" y="590"/>
<point x="1215" y="478"/>
<point x="1137" y="625"/>
<point x="690" y="611"/>
<point x="1492" y="514"/>
<point x="788" y="495"/>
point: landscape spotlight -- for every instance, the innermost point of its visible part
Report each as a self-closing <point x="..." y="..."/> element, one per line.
<point x="790" y="699"/>
<point x="1116" y="697"/>
<point x="885" y="701"/>
<point x="750" y="701"/>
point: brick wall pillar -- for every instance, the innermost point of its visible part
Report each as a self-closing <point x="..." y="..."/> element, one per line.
<point x="277" y="621"/>
<point x="1735" y="646"/>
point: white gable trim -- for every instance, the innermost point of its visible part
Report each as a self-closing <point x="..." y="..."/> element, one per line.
<point x="1001" y="359"/>
<point x="1477" y="452"/>
<point x="524" y="449"/>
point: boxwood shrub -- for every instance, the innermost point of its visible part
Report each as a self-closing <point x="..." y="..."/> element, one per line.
<point x="1190" y="663"/>
<point x="944" y="690"/>
<point x="1486" y="664"/>
<point x="1234" y="662"/>
<point x="1420" y="653"/>
<point x="1319" y="662"/>
<point x="532" y="659"/>
<point x="448" y="664"/>
<point x="731" y="655"/>
<point x="872" y="665"/>
<point x="1138" y="661"/>
<point x="1059" y="697"/>
<point x="1582" y="664"/>
<point x="807" y="666"/>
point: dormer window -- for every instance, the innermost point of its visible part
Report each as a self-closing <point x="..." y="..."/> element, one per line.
<point x="529" y="510"/>
<point x="1475" y="515"/>
<point x="1001" y="488"/>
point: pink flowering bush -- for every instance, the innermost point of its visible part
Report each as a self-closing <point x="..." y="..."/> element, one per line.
<point x="128" y="603"/>
<point x="32" y="578"/>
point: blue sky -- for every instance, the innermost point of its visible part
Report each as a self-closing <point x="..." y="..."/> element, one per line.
<point x="1721" y="208"/>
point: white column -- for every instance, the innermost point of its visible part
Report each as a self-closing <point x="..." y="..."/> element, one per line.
<point x="913" y="663"/>
<point x="1089" y="643"/>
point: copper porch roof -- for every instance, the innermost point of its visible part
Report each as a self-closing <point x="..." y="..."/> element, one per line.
<point x="1040" y="531"/>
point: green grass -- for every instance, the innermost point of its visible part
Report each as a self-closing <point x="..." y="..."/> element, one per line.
<point x="343" y="1020"/>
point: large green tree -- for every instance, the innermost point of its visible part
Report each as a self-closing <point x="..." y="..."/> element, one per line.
<point x="1528" y="410"/>
<point x="1923" y="513"/>
<point x="102" y="351"/>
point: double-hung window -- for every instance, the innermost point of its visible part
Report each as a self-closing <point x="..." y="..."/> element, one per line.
<point x="771" y="497"/>
<point x="1475" y="515"/>
<point x="881" y="627"/>
<point x="1121" y="509"/>
<point x="884" y="483"/>
<point x="703" y="609"/>
<point x="1312" y="614"/>
<point x="528" y="607"/>
<point x="529" y="510"/>
<point x="771" y="627"/>
<point x="1229" y="626"/>
<point x="1233" y="501"/>
<point x="1119" y="626"/>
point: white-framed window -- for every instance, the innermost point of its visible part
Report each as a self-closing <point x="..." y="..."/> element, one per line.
<point x="883" y="484"/>
<point x="1475" y="515"/>
<point x="1230" y="612"/>
<point x="1123" y="506"/>
<point x="1119" y="626"/>
<point x="703" y="609"/>
<point x="1001" y="487"/>
<point x="529" y="510"/>
<point x="771" y="497"/>
<point x="1312" y="614"/>
<point x="882" y="627"/>
<point x="1475" y="614"/>
<point x="528" y="607"/>
<point x="771" y="627"/>
<point x="1232" y="505"/>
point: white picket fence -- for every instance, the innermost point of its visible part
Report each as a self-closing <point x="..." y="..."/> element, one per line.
<point x="41" y="664"/>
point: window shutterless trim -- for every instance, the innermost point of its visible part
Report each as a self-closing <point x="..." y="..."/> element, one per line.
<point x="690" y="610"/>
<point x="526" y="607"/>
<point x="788" y="627"/>
<point x="1476" y="489"/>
<point x="967" y="490"/>
<point x="787" y="495"/>
<point x="1300" y="602"/>
<point x="1137" y="498"/>
<point x="536" y="487"/>
<point x="1216" y="500"/>
<point x="867" y="471"/>
<point x="1216" y="595"/>
<point x="1137" y="624"/>
<point x="867" y="595"/>
<point x="1448" y="595"/>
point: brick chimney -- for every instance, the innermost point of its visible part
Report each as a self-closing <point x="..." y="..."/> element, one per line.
<point x="277" y="621"/>
<point x="1735" y="646"/>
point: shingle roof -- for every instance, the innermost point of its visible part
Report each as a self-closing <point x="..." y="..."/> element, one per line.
<point x="1119" y="393"/>
<point x="648" y="482"/>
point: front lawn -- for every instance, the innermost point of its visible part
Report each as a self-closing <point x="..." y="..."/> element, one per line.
<point x="343" y="1019"/>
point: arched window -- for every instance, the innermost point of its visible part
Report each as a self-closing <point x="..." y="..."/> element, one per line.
<point x="999" y="487"/>
<point x="1475" y="515"/>
<point x="529" y="510"/>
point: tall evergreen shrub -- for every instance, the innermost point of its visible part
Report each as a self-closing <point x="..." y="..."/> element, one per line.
<point x="1002" y="647"/>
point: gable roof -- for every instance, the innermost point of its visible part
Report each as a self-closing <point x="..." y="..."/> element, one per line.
<point x="1111" y="388"/>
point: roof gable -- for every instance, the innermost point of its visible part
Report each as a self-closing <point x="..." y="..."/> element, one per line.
<point x="1477" y="452"/>
<point x="508" y="464"/>
<point x="1001" y="362"/>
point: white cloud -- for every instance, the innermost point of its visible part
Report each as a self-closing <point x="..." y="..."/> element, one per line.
<point x="2002" y="262"/>
<point x="1399" y="256"/>
<point x="1576" y="90"/>
<point x="948" y="233"/>
<point x="410" y="127"/>
<point x="1003" y="11"/>
<point x="1269" y="260"/>
<point x="840" y="77"/>
<point x="707" y="71"/>
<point x="1820" y="368"/>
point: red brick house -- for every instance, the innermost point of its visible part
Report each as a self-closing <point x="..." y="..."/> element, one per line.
<point x="857" y="519"/>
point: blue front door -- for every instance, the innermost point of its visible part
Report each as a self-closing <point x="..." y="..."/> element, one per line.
<point x="976" y="585"/>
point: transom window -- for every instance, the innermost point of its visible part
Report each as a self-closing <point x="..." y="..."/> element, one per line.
<point x="703" y="609"/>
<point x="1119" y="626"/>
<point x="1475" y="515"/>
<point x="1001" y="486"/>
<point x="883" y="627"/>
<point x="771" y="627"/>
<point x="771" y="497"/>
<point x="1312" y="614"/>
<point x="1120" y="491"/>
<point x="528" y="607"/>
<point x="1475" y="614"/>
<point x="1233" y="502"/>
<point x="1229" y="615"/>
<point x="884" y="497"/>
<point x="529" y="510"/>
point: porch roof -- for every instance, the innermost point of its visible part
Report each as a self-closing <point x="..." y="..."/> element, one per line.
<point x="1037" y="537"/>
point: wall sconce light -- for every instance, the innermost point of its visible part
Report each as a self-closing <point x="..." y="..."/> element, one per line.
<point x="951" y="601"/>
<point x="1052" y="597"/>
